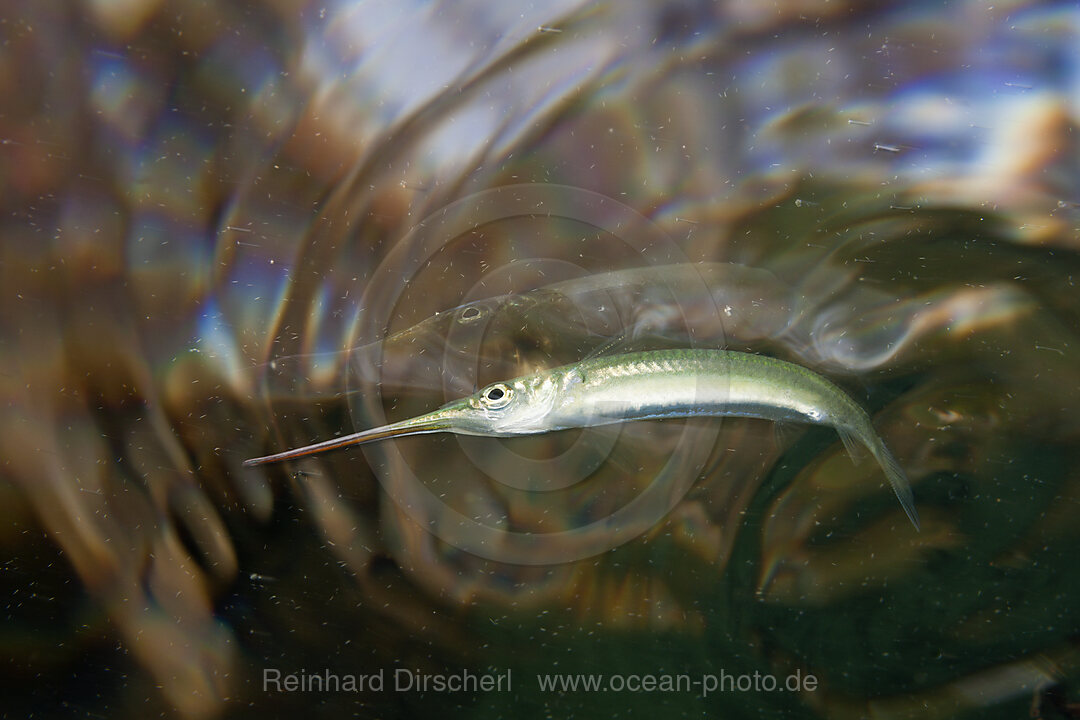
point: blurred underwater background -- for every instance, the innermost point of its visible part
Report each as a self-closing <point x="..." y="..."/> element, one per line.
<point x="234" y="227"/>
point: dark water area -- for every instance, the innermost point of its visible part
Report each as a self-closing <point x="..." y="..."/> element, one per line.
<point x="230" y="229"/>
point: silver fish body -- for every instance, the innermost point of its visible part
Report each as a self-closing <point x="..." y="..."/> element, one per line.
<point x="686" y="383"/>
<point x="648" y="385"/>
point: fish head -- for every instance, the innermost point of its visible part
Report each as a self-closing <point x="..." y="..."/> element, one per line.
<point x="506" y="408"/>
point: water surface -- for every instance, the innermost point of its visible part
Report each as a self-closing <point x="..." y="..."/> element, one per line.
<point x="209" y="210"/>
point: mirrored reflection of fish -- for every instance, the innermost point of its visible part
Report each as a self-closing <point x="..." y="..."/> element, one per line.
<point x="713" y="303"/>
<point x="646" y="385"/>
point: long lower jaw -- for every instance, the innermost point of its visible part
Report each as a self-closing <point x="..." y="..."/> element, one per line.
<point x="413" y="426"/>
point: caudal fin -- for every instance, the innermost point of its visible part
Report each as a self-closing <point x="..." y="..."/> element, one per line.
<point x="898" y="480"/>
<point x="893" y="471"/>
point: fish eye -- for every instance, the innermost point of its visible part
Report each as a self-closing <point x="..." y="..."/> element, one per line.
<point x="470" y="313"/>
<point x="497" y="395"/>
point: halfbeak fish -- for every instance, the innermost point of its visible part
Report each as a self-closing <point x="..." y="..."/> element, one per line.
<point x="640" y="386"/>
